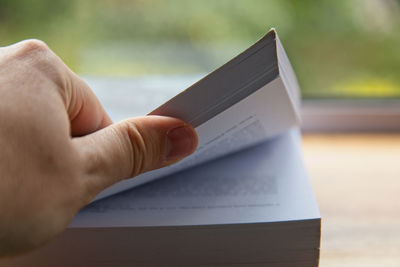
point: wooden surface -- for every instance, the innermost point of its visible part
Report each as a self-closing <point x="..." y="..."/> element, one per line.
<point x="356" y="179"/>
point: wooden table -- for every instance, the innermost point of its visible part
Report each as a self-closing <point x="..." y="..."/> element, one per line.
<point x="356" y="179"/>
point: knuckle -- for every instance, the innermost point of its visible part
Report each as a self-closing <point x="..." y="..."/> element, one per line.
<point x="137" y="146"/>
<point x="32" y="47"/>
<point x="145" y="149"/>
<point x="36" y="57"/>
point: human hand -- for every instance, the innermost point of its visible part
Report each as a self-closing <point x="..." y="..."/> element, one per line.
<point x="59" y="149"/>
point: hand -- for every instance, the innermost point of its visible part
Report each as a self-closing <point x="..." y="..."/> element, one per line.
<point x="59" y="149"/>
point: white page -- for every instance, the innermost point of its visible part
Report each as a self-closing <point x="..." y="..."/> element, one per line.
<point x="266" y="183"/>
<point x="243" y="124"/>
<point x="242" y="103"/>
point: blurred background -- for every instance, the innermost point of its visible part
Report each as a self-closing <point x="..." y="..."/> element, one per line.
<point x="339" y="49"/>
<point x="345" y="50"/>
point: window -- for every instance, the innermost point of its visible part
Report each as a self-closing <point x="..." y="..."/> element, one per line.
<point x="339" y="49"/>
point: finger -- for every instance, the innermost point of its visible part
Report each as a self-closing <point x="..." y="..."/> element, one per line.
<point x="134" y="146"/>
<point x="86" y="113"/>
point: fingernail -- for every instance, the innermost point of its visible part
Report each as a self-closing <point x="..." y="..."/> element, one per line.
<point x="181" y="142"/>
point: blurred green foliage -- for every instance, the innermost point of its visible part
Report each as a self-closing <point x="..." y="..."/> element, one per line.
<point x="342" y="48"/>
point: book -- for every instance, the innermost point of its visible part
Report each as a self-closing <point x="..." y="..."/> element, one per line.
<point x="250" y="208"/>
<point x="253" y="97"/>
<point x="243" y="198"/>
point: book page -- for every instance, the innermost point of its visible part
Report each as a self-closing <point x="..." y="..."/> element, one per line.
<point x="265" y="183"/>
<point x="238" y="105"/>
<point x="263" y="114"/>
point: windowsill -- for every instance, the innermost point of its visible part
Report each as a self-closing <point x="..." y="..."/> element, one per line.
<point x="350" y="115"/>
<point x="318" y="115"/>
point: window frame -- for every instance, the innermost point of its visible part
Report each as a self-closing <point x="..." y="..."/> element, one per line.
<point x="350" y="115"/>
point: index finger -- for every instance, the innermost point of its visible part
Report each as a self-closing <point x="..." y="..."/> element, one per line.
<point x="85" y="111"/>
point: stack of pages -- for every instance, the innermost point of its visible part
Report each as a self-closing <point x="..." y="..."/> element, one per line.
<point x="242" y="199"/>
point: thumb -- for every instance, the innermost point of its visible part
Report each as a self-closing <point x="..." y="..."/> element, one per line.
<point x="133" y="146"/>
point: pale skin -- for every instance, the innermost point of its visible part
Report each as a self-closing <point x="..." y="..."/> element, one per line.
<point x="59" y="148"/>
